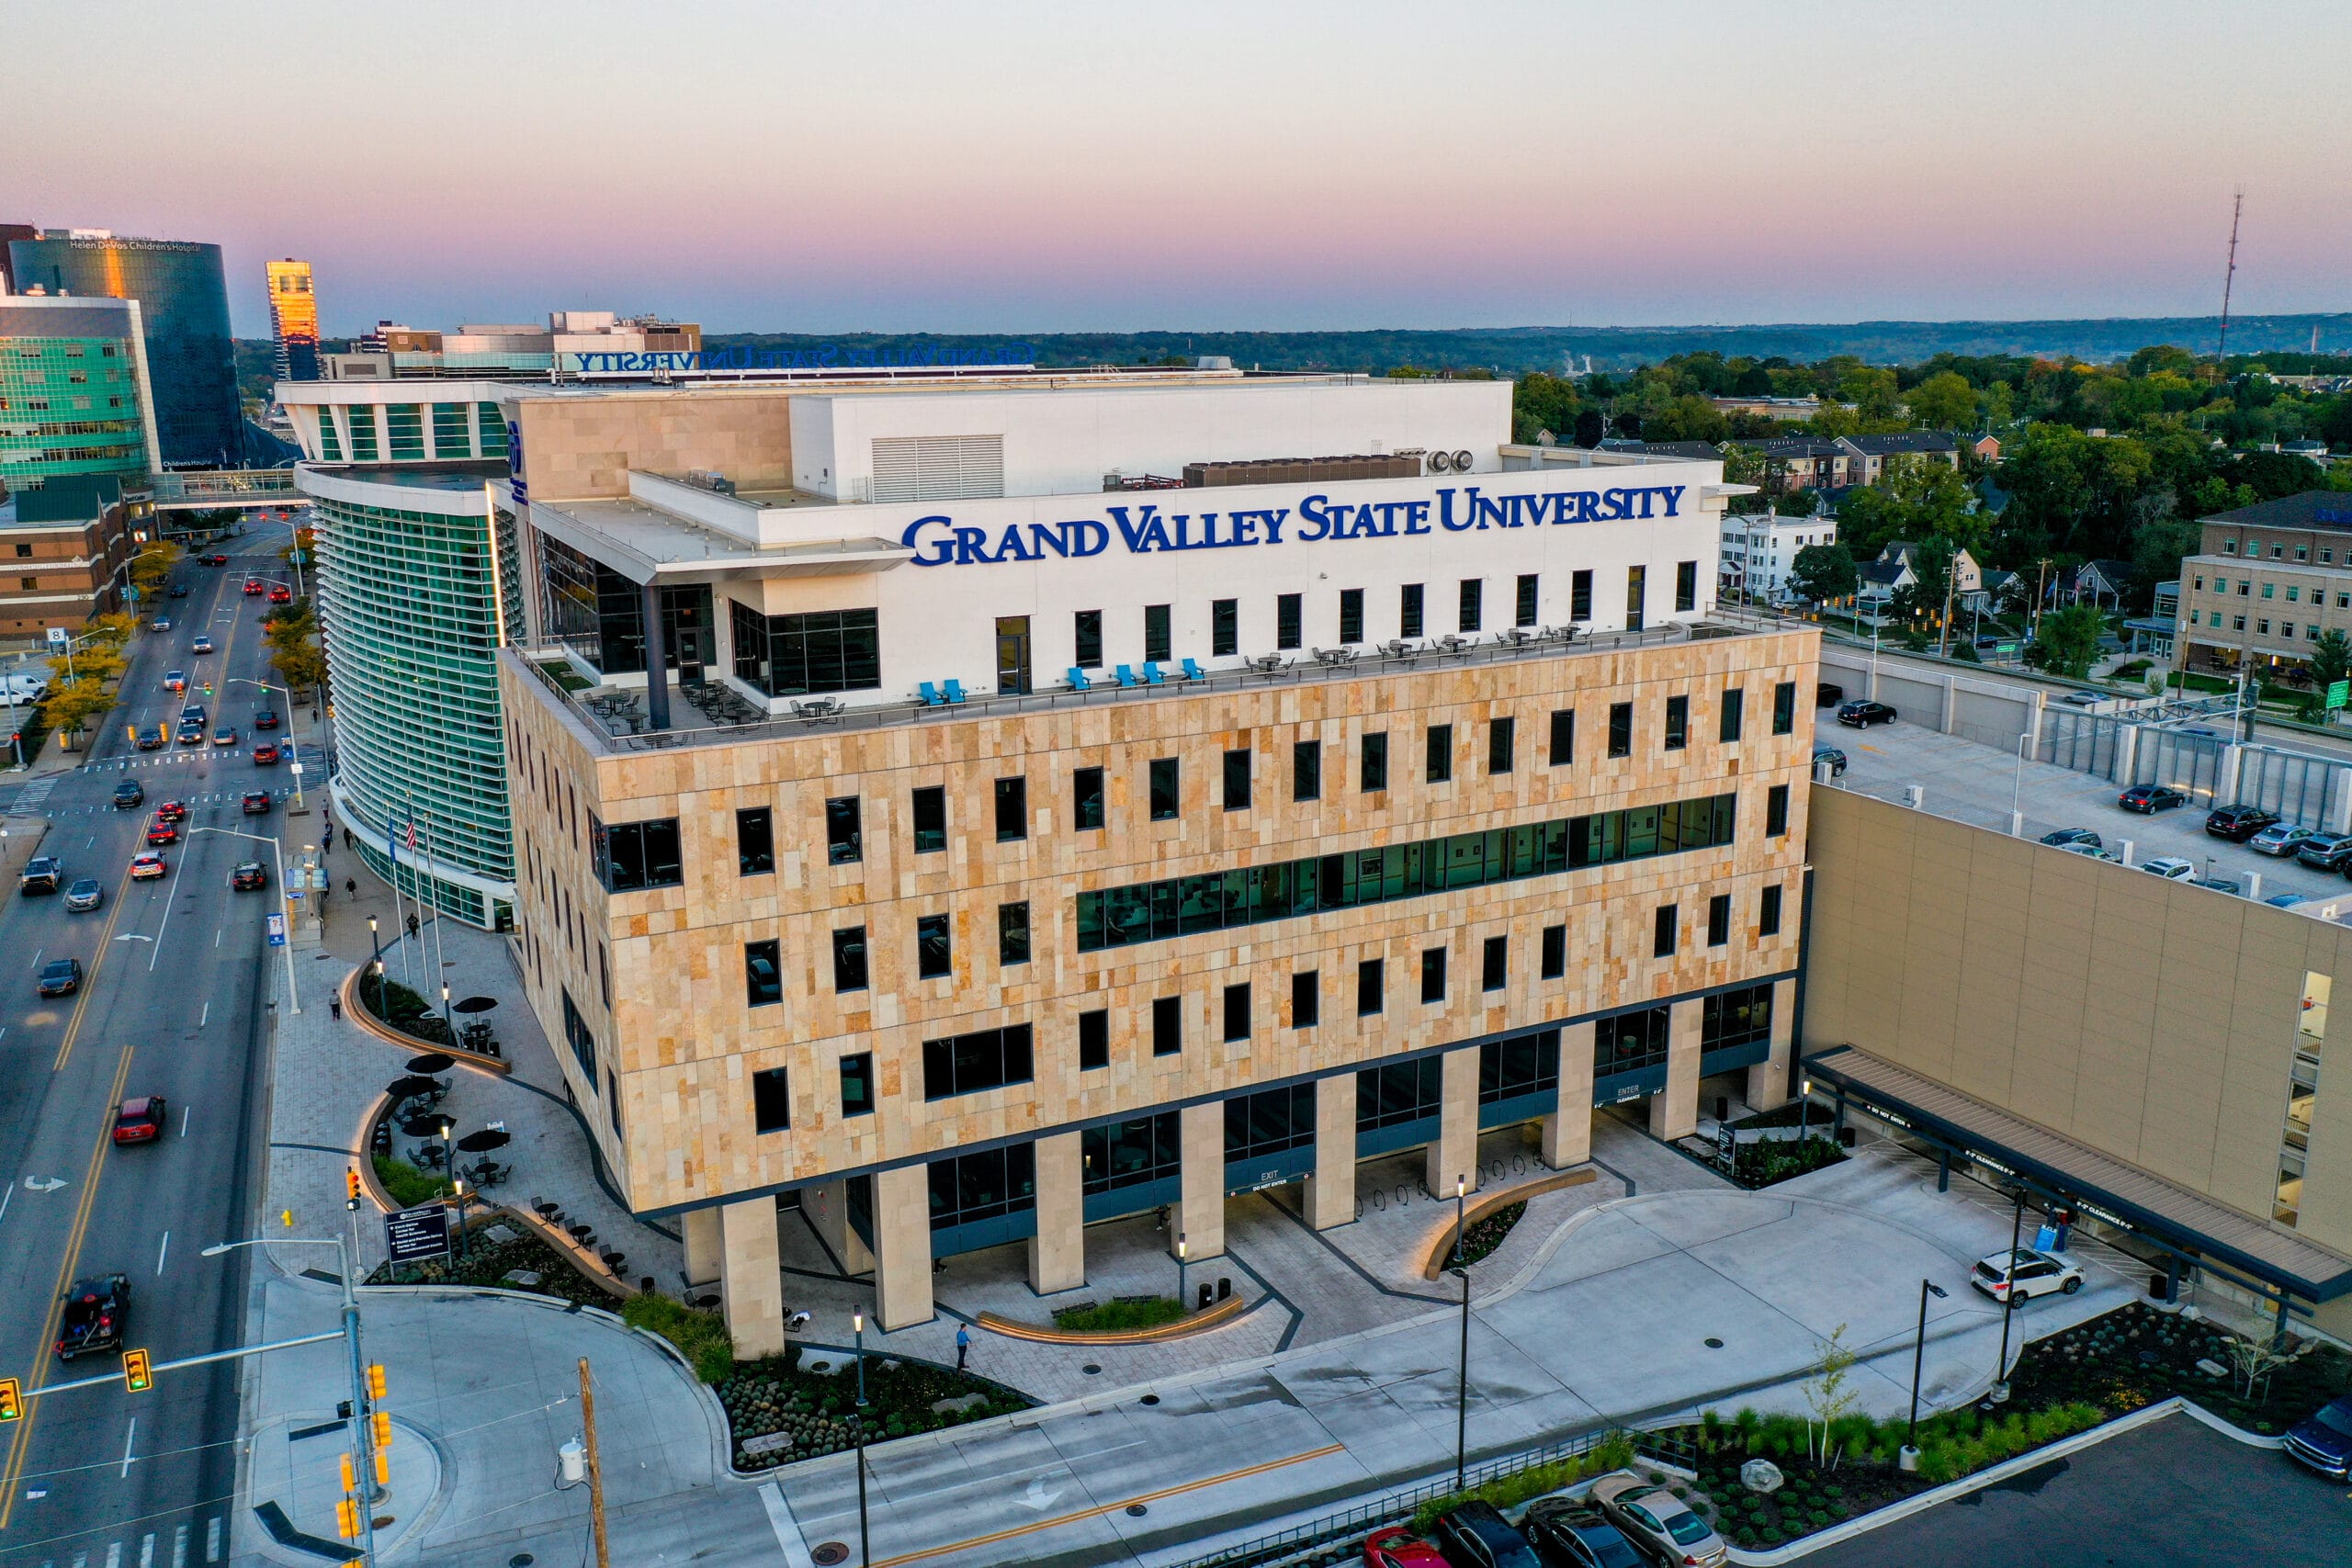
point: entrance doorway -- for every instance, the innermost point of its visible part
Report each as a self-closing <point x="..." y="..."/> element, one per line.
<point x="1012" y="654"/>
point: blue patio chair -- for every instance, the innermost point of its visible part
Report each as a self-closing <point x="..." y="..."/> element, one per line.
<point x="955" y="691"/>
<point x="1126" y="677"/>
<point x="1193" y="670"/>
<point x="930" y="694"/>
<point x="1152" y="675"/>
<point x="1078" y="680"/>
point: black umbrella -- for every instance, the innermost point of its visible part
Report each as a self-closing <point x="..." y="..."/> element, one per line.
<point x="481" y="1143"/>
<point x="411" y="1085"/>
<point x="431" y="1062"/>
<point x="474" y="1004"/>
<point x="425" y="1126"/>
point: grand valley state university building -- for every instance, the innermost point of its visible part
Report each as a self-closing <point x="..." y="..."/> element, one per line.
<point x="1069" y="797"/>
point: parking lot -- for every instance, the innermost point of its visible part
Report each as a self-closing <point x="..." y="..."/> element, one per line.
<point x="1974" y="783"/>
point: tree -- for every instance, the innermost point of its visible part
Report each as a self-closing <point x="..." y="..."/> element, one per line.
<point x="1943" y="401"/>
<point x="1824" y="572"/>
<point x="2068" y="640"/>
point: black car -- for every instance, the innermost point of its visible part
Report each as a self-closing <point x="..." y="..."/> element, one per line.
<point x="129" y="792"/>
<point x="2149" y="799"/>
<point x="1860" y="715"/>
<point x="96" y="1315"/>
<point x="61" y="977"/>
<point x="2238" y="823"/>
<point x="42" y="874"/>
<point x="1475" y="1535"/>
<point x="1573" y="1535"/>
<point x="2065" y="836"/>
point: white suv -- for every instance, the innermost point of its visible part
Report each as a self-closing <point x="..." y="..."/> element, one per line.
<point x="2035" y="1274"/>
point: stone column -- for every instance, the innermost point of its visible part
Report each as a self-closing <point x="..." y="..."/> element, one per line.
<point x="1331" y="1188"/>
<point x="902" y="1247"/>
<point x="1057" y="1252"/>
<point x="827" y="1206"/>
<point x="751" y="1278"/>
<point x="1200" y="1216"/>
<point x="705" y="1247"/>
<point x="1454" y="1153"/>
<point x="1674" y="1109"/>
<point x="1568" y="1132"/>
<point x="1768" y="1081"/>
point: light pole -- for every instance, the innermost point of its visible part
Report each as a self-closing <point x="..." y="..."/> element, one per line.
<point x="864" y="1536"/>
<point x="1462" y="1387"/>
<point x="277" y="852"/>
<point x="2008" y="1303"/>
<point x="1910" y="1456"/>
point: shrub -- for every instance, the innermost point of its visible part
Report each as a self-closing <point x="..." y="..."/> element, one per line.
<point x="701" y="1337"/>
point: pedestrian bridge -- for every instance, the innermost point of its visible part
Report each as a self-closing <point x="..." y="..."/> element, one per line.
<point x="187" y="490"/>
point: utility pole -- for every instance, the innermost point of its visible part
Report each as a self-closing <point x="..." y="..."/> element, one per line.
<point x="2238" y="206"/>
<point x="596" y="1468"/>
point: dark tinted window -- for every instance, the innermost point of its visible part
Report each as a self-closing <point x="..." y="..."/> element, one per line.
<point x="1011" y="809"/>
<point x="754" y="842"/>
<point x="1165" y="797"/>
<point x="931" y="820"/>
<point x="844" y="842"/>
<point x="763" y="974"/>
<point x="771" y="1100"/>
<point x="1086" y="798"/>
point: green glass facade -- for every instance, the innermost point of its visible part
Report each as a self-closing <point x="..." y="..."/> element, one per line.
<point x="69" y="396"/>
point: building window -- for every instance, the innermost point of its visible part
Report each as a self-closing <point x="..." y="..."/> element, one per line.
<point x="1733" y="715"/>
<point x="967" y="1063"/>
<point x="1719" y="920"/>
<point x="985" y="1185"/>
<point x="1306" y="770"/>
<point x="1439" y="761"/>
<point x="1093" y="1040"/>
<point x="1225" y="627"/>
<point x="1408" y="611"/>
<point x="1522" y="1065"/>
<point x="1011" y="809"/>
<point x="1432" y="974"/>
<point x="763" y="974"/>
<point x="1167" y="1025"/>
<point x="1374" y="773"/>
<point x="1287" y="632"/>
<point x="1269" y="1121"/>
<point x="849" y="959"/>
<point x="1236" y="1012"/>
<point x="1580" y="596"/>
<point x="1013" y="932"/>
<point x="1768" y="912"/>
<point x="1237" y="780"/>
<point x="1494" y="969"/>
<point x="1637" y="592"/>
<point x="844" y="842"/>
<point x="1523" y="611"/>
<point x="1086" y="799"/>
<point x="1157" y="639"/>
<point x="1667" y="921"/>
<point x="771" y="1100"/>
<point x="1474" y="592"/>
<point x="1776" y="811"/>
<point x="1305" y="998"/>
<point x="857" y="1084"/>
<point x="1678" y="723"/>
<point x="931" y="820"/>
<point x="1131" y="1154"/>
<point x="633" y="856"/>
<point x="1621" y="729"/>
<point x="1564" y="736"/>
<point x="1556" y="953"/>
<point x="1686" y="585"/>
<point x="1736" y="1018"/>
<point x="1089" y="654"/>
<point x="754" y="842"/>
<point x="934" y="949"/>
<point x="1397" y="1093"/>
<point x="1372" y="988"/>
<point x="576" y="1034"/>
<point x="1350" y="615"/>
<point x="1628" y="1041"/>
<point x="1165" y="796"/>
<point x="1502" y="744"/>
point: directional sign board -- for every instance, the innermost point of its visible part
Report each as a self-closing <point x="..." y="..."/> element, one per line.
<point x="414" y="1235"/>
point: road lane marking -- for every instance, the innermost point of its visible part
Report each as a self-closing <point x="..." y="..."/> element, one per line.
<point x="160" y="1251"/>
<point x="129" y="1440"/>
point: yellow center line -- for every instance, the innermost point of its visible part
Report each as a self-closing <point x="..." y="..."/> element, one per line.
<point x="21" y="1439"/>
<point x="1056" y="1522"/>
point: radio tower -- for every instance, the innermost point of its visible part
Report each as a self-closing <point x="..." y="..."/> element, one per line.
<point x="2237" y="206"/>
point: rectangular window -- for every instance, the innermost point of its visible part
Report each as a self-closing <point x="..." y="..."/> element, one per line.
<point x="633" y="856"/>
<point x="1776" y="811"/>
<point x="1408" y="611"/>
<point x="1305" y="998"/>
<point x="771" y="1101"/>
<point x="849" y="959"/>
<point x="1663" y="942"/>
<point x="1473" y="593"/>
<point x="1433" y="975"/>
<point x="1784" y="708"/>
<point x="857" y="1084"/>
<point x="1502" y="744"/>
<point x="1225" y="627"/>
<point x="1306" y="770"/>
<point x="967" y="1063"/>
<point x="1093" y="1040"/>
<point x="1564" y="736"/>
<point x="1350" y="615"/>
<point x="844" y="843"/>
<point x="1167" y="1025"/>
<point x="763" y="974"/>
<point x="1768" y="912"/>
<point x="1733" y="715"/>
<point x="1556" y="953"/>
<point x="1236" y="1012"/>
<point x="1439" y="762"/>
<point x="1166" y="799"/>
<point x="1523" y="611"/>
<point x="934" y="949"/>
<point x="1237" y="780"/>
<point x="1089" y="654"/>
<point x="1376" y="763"/>
<point x="1686" y="585"/>
<point x="1621" y="729"/>
<point x="1287" y="632"/>
<point x="1013" y="932"/>
<point x="1011" y="809"/>
<point x="1719" y="920"/>
<point x="1580" y="596"/>
<point x="1086" y="799"/>
<point x="931" y="820"/>
<point x="1494" y="967"/>
<point x="754" y="842"/>
<point x="1157" y="639"/>
<point x="1678" y="723"/>
<point x="1372" y="988"/>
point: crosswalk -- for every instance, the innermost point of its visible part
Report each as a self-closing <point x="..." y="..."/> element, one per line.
<point x="182" y="1548"/>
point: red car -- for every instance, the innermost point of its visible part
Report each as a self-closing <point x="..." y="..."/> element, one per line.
<point x="163" y="831"/>
<point x="252" y="587"/>
<point x="281" y="594"/>
<point x="141" y="1120"/>
<point x="1397" y="1547"/>
<point x="147" y="867"/>
<point x="172" y="811"/>
<point x="265" y="753"/>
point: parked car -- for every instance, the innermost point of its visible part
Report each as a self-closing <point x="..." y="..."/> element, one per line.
<point x="201" y="645"/>
<point x="96" y="1315"/>
<point x="60" y="978"/>
<point x="2065" y="838"/>
<point x="86" y="894"/>
<point x="1397" y="1547"/>
<point x="1825" y="696"/>
<point x="2029" y="1274"/>
<point x="266" y="754"/>
<point x="140" y="1120"/>
<point x="250" y="877"/>
<point x="1658" y="1522"/>
<point x="1569" y="1534"/>
<point x="2149" y="799"/>
<point x="255" y="803"/>
<point x="2326" y="852"/>
<point x="2239" y="823"/>
<point x="2172" y="868"/>
<point x="1834" y="757"/>
<point x="42" y="874"/>
<point x="1475" y="1535"/>
<point x="2279" y="839"/>
<point x="127" y="794"/>
<point x="2323" y="1439"/>
<point x="148" y="866"/>
<point x="1862" y="715"/>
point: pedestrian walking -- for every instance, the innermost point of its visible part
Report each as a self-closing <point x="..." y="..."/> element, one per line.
<point x="963" y="1345"/>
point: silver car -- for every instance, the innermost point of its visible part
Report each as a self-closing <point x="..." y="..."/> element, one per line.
<point x="1658" y="1522"/>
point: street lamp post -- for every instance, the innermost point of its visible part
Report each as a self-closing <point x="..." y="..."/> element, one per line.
<point x="2008" y="1303"/>
<point x="1462" y="1387"/>
<point x="864" y="1536"/>
<point x="1910" y="1456"/>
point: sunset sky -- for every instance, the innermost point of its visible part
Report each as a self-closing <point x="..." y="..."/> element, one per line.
<point x="1040" y="167"/>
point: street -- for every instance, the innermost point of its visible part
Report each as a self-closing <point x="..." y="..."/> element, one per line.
<point x="172" y="1003"/>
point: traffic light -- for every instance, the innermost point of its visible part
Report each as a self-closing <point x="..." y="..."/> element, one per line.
<point x="381" y="1426"/>
<point x="346" y="1519"/>
<point x="376" y="1381"/>
<point x="138" y="1374"/>
<point x="12" y="1400"/>
<point x="351" y="1183"/>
